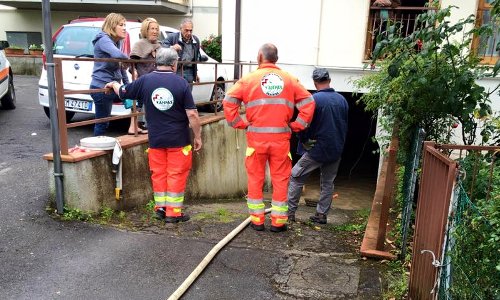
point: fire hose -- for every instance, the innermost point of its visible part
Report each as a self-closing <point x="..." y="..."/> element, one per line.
<point x="201" y="266"/>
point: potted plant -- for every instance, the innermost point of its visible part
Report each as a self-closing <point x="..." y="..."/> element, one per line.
<point x="35" y="49"/>
<point x="13" y="49"/>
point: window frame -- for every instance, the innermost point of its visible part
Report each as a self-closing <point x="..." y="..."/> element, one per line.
<point x="482" y="6"/>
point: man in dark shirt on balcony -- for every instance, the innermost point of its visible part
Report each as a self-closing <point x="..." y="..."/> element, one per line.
<point x="323" y="143"/>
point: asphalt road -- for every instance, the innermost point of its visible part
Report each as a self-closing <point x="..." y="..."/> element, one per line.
<point x="42" y="258"/>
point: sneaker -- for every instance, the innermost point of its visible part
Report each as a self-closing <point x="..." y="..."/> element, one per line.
<point x="160" y="214"/>
<point x="278" y="229"/>
<point x="291" y="218"/>
<point x="181" y="218"/>
<point x="257" y="227"/>
<point x="318" y="218"/>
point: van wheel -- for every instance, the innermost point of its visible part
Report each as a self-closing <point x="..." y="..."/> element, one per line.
<point x="9" y="99"/>
<point x="218" y="94"/>
<point x="69" y="114"/>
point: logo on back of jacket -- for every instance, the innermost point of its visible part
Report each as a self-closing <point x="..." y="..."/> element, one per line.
<point x="272" y="84"/>
<point x="162" y="99"/>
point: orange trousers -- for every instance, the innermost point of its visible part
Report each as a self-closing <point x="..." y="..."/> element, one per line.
<point x="277" y="154"/>
<point x="169" y="173"/>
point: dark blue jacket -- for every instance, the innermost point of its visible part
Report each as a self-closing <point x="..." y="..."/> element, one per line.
<point x="104" y="72"/>
<point x="328" y="127"/>
<point x="175" y="38"/>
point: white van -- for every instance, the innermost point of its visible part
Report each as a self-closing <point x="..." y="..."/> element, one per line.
<point x="7" y="92"/>
<point x="75" y="40"/>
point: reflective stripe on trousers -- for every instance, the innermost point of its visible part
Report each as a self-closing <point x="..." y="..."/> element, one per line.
<point x="256" y="208"/>
<point x="279" y="213"/>
<point x="280" y="165"/>
<point x="170" y="170"/>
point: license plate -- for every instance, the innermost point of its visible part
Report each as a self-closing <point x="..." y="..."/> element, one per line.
<point x="78" y="104"/>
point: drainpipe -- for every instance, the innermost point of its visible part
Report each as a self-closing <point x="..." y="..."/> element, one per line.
<point x="219" y="21"/>
<point x="319" y="31"/>
<point x="54" y="123"/>
<point x="237" y="28"/>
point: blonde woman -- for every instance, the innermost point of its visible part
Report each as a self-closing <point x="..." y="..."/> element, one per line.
<point x="145" y="49"/>
<point x="107" y="45"/>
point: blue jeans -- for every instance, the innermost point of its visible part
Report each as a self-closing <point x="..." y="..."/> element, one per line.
<point x="102" y="104"/>
<point x="188" y="74"/>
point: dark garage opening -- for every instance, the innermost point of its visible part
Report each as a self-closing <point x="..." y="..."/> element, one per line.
<point x="359" y="166"/>
<point x="360" y="157"/>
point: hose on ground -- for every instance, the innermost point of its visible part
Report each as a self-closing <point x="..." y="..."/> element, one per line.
<point x="201" y="266"/>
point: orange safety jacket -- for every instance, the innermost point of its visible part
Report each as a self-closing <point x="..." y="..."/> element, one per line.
<point x="270" y="95"/>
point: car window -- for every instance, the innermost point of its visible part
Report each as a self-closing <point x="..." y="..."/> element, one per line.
<point x="76" y="41"/>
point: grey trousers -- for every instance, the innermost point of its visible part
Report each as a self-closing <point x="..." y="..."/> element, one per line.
<point x="301" y="171"/>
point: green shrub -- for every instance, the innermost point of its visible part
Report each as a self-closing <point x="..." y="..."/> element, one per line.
<point x="36" y="47"/>
<point x="75" y="214"/>
<point x="213" y="47"/>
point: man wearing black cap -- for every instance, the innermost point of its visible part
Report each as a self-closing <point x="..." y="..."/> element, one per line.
<point x="321" y="146"/>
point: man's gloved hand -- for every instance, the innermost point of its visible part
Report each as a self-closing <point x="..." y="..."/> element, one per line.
<point x="309" y="144"/>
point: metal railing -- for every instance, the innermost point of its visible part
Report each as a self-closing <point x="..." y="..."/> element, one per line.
<point x="61" y="94"/>
<point x="380" y="18"/>
<point x="442" y="266"/>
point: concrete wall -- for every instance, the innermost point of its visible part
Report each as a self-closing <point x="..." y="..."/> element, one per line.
<point x="26" y="65"/>
<point x="218" y="173"/>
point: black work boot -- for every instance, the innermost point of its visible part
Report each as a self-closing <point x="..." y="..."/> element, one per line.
<point x="318" y="218"/>
<point x="181" y="218"/>
<point x="160" y="213"/>
<point x="256" y="227"/>
<point x="291" y="218"/>
<point x="278" y="229"/>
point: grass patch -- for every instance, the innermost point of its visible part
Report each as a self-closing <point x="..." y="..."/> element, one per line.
<point x="75" y="214"/>
<point x="348" y="227"/>
<point x="395" y="281"/>
<point x="106" y="214"/>
<point x="356" y="225"/>
<point x="221" y="215"/>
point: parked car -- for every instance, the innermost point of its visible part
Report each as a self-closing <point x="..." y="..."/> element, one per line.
<point x="7" y="92"/>
<point x="75" y="40"/>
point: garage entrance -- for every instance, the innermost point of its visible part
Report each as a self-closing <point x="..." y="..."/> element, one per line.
<point x="360" y="157"/>
<point x="357" y="176"/>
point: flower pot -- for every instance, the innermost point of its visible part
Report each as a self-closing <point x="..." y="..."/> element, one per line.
<point x="14" y="51"/>
<point x="36" y="52"/>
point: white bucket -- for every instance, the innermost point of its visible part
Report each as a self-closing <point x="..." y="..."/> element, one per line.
<point x="98" y="143"/>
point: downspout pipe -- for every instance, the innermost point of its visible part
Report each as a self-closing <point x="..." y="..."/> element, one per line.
<point x="237" y="40"/>
<point x="54" y="122"/>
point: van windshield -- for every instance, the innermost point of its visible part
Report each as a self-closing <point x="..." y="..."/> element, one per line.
<point x="76" y="41"/>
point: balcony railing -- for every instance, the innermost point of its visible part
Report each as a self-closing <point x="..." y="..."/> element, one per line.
<point x="380" y="17"/>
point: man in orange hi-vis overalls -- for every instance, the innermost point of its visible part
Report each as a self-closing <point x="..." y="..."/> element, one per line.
<point x="270" y="96"/>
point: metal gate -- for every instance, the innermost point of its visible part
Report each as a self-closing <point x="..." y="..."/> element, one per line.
<point x="436" y="186"/>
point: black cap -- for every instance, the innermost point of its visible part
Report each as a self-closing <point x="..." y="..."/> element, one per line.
<point x="321" y="74"/>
